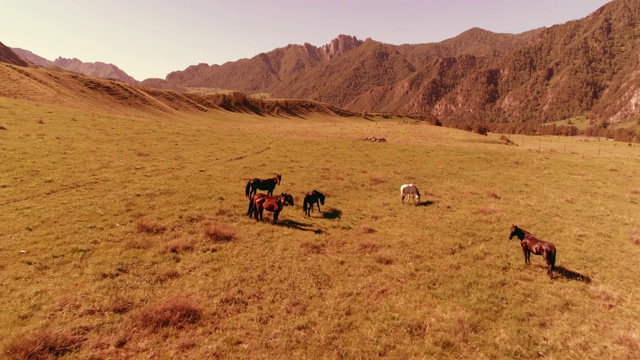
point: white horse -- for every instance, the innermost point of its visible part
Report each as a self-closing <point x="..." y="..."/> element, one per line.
<point x="409" y="189"/>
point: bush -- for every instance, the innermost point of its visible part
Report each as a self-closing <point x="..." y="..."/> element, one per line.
<point x="481" y="129"/>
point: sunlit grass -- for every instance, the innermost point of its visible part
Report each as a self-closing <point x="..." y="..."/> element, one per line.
<point x="127" y="236"/>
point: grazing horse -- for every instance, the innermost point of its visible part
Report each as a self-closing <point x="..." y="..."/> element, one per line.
<point x="259" y="184"/>
<point x="260" y="202"/>
<point x="310" y="199"/>
<point x="531" y="244"/>
<point x="409" y="189"/>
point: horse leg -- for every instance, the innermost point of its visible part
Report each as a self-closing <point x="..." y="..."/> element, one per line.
<point x="318" y="202"/>
<point x="275" y="216"/>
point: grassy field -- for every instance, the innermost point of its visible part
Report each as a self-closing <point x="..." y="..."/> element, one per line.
<point x="127" y="237"/>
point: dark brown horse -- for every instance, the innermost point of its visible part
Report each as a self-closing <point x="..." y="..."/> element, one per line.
<point x="275" y="204"/>
<point x="531" y="244"/>
<point x="312" y="198"/>
<point x="259" y="184"/>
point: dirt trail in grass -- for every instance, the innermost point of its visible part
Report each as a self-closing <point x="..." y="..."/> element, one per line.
<point x="269" y="147"/>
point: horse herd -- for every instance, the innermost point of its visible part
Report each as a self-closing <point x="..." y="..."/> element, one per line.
<point x="259" y="202"/>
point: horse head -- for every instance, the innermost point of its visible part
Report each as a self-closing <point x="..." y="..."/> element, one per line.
<point x="288" y="198"/>
<point x="515" y="231"/>
<point x="320" y="196"/>
<point x="278" y="179"/>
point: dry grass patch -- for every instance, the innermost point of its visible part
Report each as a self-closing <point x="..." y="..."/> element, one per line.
<point x="365" y="229"/>
<point x="179" y="246"/>
<point x="376" y="179"/>
<point x="219" y="232"/>
<point x="119" y="305"/>
<point x="493" y="195"/>
<point x="384" y="259"/>
<point x="635" y="191"/>
<point x="177" y="312"/>
<point x="635" y="236"/>
<point x="44" y="344"/>
<point x="310" y="247"/>
<point x="369" y="247"/>
<point x="487" y="210"/>
<point x="150" y="227"/>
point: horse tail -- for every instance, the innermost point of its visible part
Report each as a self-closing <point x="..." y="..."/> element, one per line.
<point x="251" y="208"/>
<point x="246" y="191"/>
<point x="552" y="258"/>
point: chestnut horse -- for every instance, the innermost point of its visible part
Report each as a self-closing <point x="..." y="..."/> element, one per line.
<point x="260" y="202"/>
<point x="531" y="244"/>
<point x="312" y="198"/>
<point x="259" y="184"/>
<point x="409" y="189"/>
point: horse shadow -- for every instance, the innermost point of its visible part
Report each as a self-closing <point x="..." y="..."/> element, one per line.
<point x="572" y="275"/>
<point x="332" y="214"/>
<point x="425" y="203"/>
<point x="292" y="224"/>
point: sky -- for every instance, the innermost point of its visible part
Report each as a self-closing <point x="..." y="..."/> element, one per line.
<point x="151" y="38"/>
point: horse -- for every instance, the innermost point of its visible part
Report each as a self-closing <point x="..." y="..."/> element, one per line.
<point x="260" y="202"/>
<point x="311" y="198"/>
<point x="409" y="189"/>
<point x="259" y="184"/>
<point x="531" y="244"/>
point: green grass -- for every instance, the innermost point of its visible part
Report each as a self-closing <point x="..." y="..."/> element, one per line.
<point x="127" y="237"/>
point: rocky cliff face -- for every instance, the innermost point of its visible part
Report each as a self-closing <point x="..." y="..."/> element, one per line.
<point x="340" y="45"/>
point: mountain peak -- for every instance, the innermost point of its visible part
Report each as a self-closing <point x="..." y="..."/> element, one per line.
<point x="340" y="45"/>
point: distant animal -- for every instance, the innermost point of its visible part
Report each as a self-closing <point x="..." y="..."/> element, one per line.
<point x="274" y="204"/>
<point x="531" y="244"/>
<point x="409" y="189"/>
<point x="259" y="184"/>
<point x="312" y="198"/>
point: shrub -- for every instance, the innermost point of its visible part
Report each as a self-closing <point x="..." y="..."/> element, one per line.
<point x="480" y="129"/>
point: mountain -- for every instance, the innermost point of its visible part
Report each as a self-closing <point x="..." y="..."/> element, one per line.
<point x="340" y="71"/>
<point x="94" y="69"/>
<point x="10" y="57"/>
<point x="587" y="68"/>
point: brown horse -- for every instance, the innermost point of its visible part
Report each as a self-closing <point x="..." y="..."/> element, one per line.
<point x="531" y="244"/>
<point x="312" y="198"/>
<point x="259" y="184"/>
<point x="261" y="202"/>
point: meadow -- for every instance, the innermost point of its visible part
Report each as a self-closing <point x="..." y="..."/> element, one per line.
<point x="125" y="235"/>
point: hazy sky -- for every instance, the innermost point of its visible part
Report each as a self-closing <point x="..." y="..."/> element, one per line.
<point x="151" y="38"/>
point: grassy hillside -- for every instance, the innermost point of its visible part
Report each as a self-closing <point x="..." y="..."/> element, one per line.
<point x="124" y="235"/>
